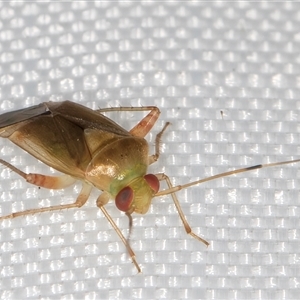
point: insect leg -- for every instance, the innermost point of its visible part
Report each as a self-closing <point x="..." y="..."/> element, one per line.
<point x="179" y="210"/>
<point x="145" y="125"/>
<point x="49" y="182"/>
<point x="101" y="201"/>
<point x="153" y="158"/>
<point x="81" y="199"/>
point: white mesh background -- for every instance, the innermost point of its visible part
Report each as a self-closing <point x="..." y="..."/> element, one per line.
<point x="226" y="75"/>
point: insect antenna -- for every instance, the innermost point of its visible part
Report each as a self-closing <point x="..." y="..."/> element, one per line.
<point x="236" y="171"/>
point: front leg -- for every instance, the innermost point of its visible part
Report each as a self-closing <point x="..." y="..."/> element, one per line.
<point x="186" y="225"/>
<point x="101" y="201"/>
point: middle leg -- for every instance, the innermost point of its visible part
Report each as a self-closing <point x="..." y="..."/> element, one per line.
<point x="145" y="125"/>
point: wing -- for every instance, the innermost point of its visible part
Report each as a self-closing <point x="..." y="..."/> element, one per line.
<point x="76" y="113"/>
<point x="85" y="117"/>
<point x="59" y="133"/>
<point x="17" y="116"/>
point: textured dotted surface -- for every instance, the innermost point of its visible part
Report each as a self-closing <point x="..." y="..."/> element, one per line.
<point x="227" y="76"/>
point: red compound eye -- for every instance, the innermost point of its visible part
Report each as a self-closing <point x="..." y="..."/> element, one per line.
<point x="152" y="181"/>
<point x="124" y="198"/>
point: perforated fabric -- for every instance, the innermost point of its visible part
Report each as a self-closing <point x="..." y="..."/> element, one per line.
<point x="226" y="75"/>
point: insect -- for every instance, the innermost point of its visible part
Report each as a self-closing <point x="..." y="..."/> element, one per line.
<point x="85" y="145"/>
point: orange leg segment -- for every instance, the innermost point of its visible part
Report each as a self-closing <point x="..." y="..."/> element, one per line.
<point x="50" y="182"/>
<point x="145" y="125"/>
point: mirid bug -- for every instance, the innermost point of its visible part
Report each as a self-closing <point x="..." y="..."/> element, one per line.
<point x="85" y="145"/>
